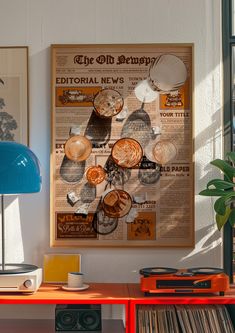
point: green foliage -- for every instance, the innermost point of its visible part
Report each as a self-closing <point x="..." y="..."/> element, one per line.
<point x="224" y="189"/>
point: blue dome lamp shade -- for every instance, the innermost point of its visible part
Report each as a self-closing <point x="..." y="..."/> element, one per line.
<point x="19" y="173"/>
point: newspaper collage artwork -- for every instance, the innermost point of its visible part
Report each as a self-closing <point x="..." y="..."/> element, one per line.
<point x="121" y="158"/>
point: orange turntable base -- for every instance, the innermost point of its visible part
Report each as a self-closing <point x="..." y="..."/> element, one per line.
<point x="161" y="280"/>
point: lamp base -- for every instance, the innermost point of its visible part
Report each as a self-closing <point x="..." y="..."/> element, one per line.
<point x="17" y="268"/>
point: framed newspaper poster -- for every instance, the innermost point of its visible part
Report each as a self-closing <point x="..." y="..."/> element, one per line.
<point x="122" y="169"/>
<point x="14" y="94"/>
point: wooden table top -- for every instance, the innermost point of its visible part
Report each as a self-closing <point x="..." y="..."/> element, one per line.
<point x="111" y="293"/>
<point x="53" y="293"/>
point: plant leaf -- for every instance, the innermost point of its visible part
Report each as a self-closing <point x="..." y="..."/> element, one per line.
<point x="222" y="219"/>
<point x="227" y="179"/>
<point x="225" y="167"/>
<point x="229" y="197"/>
<point x="220" y="184"/>
<point x="232" y="217"/>
<point x="213" y="193"/>
<point x="219" y="206"/>
<point x="231" y="156"/>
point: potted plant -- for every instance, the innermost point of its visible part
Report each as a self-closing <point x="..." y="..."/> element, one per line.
<point x="224" y="189"/>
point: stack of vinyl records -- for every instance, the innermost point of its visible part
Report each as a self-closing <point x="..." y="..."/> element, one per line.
<point x="204" y="319"/>
<point x="184" y="319"/>
<point x="157" y="319"/>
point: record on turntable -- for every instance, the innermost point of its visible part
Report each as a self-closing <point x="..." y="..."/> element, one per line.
<point x="206" y="270"/>
<point x="157" y="271"/>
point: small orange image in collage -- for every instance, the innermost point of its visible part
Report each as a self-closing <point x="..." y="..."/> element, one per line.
<point x="177" y="101"/>
<point x="143" y="227"/>
<point x="75" y="96"/>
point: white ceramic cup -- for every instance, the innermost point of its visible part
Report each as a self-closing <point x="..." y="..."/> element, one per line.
<point x="75" y="279"/>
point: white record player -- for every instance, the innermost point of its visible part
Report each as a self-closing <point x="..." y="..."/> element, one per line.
<point x="23" y="282"/>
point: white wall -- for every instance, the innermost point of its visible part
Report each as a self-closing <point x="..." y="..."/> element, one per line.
<point x="41" y="23"/>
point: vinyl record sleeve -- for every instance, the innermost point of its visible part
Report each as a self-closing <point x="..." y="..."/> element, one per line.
<point x="57" y="267"/>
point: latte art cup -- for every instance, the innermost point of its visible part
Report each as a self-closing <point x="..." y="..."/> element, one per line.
<point x="95" y="174"/>
<point x="116" y="203"/>
<point x="161" y="151"/>
<point x="127" y="152"/>
<point x="78" y="148"/>
<point x="75" y="280"/>
<point x="164" y="151"/>
<point x="167" y="73"/>
<point x="108" y="103"/>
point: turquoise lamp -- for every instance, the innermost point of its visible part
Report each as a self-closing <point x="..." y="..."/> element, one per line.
<point x="19" y="173"/>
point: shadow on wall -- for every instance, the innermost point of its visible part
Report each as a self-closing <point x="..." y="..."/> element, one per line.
<point x="208" y="140"/>
<point x="207" y="239"/>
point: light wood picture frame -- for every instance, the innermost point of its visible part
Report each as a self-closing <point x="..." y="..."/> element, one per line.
<point x="14" y="114"/>
<point x="107" y="97"/>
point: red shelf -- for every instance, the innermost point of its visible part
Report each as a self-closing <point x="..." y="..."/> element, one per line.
<point x="137" y="297"/>
<point x="98" y="293"/>
<point x="111" y="293"/>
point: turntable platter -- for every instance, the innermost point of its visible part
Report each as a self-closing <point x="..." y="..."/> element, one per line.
<point x="206" y="270"/>
<point x="157" y="271"/>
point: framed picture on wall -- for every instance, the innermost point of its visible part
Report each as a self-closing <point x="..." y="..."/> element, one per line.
<point x="14" y="94"/>
<point x="122" y="171"/>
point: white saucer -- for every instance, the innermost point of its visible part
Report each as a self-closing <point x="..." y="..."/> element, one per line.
<point x="144" y="92"/>
<point x="84" y="287"/>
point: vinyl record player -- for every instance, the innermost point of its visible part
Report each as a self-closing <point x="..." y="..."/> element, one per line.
<point x="200" y="280"/>
<point x="23" y="279"/>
